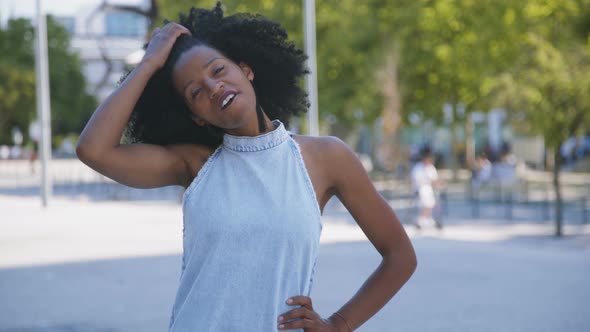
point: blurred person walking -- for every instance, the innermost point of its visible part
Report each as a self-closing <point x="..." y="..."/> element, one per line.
<point x="481" y="171"/>
<point x="425" y="182"/>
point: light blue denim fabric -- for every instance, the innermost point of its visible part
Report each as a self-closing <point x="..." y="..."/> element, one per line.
<point x="251" y="236"/>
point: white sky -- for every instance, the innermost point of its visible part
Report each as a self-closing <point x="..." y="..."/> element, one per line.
<point x="27" y="8"/>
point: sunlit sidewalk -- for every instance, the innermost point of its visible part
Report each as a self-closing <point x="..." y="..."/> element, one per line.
<point x="113" y="266"/>
<point x="71" y="231"/>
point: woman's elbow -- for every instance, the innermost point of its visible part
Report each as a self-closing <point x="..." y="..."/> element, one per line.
<point x="404" y="260"/>
<point x="81" y="150"/>
<point x="412" y="262"/>
<point x="85" y="152"/>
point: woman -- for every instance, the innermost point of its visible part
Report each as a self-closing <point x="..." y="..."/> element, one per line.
<point x="198" y="111"/>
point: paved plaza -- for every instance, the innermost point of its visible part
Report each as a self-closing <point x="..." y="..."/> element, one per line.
<point x="114" y="266"/>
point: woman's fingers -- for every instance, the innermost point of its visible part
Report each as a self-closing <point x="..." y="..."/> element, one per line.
<point x="170" y="30"/>
<point x="302" y="317"/>
<point x="298" y="313"/>
<point x="297" y="324"/>
<point x="175" y="29"/>
<point x="161" y="43"/>
<point x="304" y="301"/>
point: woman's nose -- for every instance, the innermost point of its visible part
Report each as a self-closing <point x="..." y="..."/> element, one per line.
<point x="216" y="88"/>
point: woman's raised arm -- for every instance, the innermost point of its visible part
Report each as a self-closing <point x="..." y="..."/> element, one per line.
<point x="136" y="165"/>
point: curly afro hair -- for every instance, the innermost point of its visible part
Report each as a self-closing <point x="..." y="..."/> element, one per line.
<point x="161" y="116"/>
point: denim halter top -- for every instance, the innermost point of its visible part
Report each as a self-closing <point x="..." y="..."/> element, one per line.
<point x="251" y="235"/>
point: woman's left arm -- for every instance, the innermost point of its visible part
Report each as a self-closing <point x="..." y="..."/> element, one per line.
<point x="351" y="184"/>
<point x="381" y="226"/>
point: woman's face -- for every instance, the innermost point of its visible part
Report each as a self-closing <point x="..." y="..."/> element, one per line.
<point x="216" y="90"/>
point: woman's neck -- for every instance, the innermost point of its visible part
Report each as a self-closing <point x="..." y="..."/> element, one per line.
<point x="252" y="128"/>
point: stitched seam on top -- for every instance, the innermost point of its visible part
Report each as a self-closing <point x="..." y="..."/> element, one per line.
<point x="201" y="174"/>
<point x="248" y="149"/>
<point x="251" y="148"/>
<point x="299" y="157"/>
<point x="249" y="144"/>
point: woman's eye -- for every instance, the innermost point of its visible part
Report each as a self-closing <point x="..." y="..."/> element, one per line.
<point x="194" y="93"/>
<point x="219" y="69"/>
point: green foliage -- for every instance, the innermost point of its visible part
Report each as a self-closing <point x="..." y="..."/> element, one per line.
<point x="450" y="51"/>
<point x="17" y="80"/>
<point x="17" y="88"/>
<point x="549" y="83"/>
<point x="71" y="105"/>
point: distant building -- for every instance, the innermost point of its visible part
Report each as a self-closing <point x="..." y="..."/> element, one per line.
<point x="124" y="24"/>
<point x="105" y="40"/>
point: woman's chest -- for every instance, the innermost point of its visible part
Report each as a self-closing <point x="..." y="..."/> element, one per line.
<point x="250" y="196"/>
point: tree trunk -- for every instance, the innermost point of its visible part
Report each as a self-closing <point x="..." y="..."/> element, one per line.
<point x="571" y="129"/>
<point x="557" y="189"/>
<point x="470" y="141"/>
<point x="454" y="144"/>
<point x="387" y="152"/>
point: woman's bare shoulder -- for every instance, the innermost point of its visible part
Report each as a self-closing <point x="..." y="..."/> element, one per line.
<point x="324" y="153"/>
<point x="318" y="143"/>
<point x="328" y="153"/>
<point x="326" y="146"/>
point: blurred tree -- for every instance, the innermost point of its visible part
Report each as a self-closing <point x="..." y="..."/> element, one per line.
<point x="17" y="78"/>
<point x="549" y="84"/>
<point x="71" y="105"/>
<point x="17" y="100"/>
<point x="447" y="49"/>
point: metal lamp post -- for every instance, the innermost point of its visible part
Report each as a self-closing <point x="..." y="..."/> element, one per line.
<point x="43" y="104"/>
<point x="311" y="80"/>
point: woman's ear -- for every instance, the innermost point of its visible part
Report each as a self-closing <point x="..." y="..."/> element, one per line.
<point x="198" y="121"/>
<point x="247" y="71"/>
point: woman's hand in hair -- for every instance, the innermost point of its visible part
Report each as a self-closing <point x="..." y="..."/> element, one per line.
<point x="304" y="317"/>
<point x="161" y="43"/>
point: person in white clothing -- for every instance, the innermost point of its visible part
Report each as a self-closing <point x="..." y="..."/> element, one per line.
<point x="424" y="182"/>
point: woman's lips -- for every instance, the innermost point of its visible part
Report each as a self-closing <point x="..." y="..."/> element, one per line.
<point x="225" y="98"/>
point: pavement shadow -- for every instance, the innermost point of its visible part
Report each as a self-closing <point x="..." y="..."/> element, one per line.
<point x="60" y="328"/>
<point x="131" y="294"/>
<point x="565" y="242"/>
<point x="136" y="294"/>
